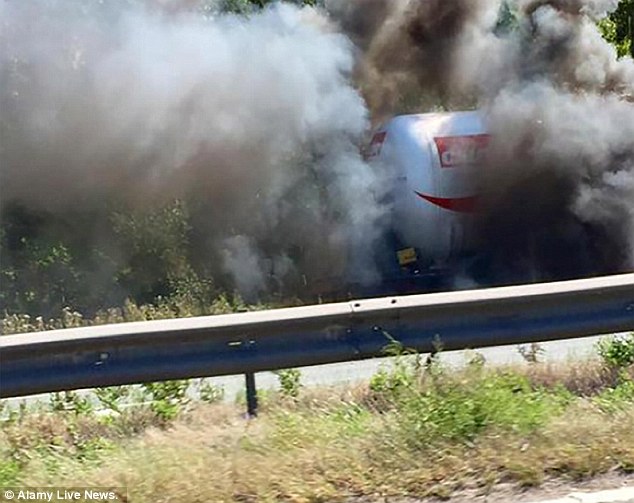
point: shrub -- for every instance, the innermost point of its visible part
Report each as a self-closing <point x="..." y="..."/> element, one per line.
<point x="70" y="401"/>
<point x="110" y="397"/>
<point x="431" y="404"/>
<point x="290" y="382"/>
<point x="459" y="409"/>
<point x="617" y="352"/>
<point x="168" y="397"/>
<point x="617" y="398"/>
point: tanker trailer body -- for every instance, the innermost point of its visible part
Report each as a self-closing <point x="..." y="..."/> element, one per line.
<point x="431" y="160"/>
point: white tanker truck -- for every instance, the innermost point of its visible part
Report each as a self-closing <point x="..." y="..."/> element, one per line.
<point x="433" y="160"/>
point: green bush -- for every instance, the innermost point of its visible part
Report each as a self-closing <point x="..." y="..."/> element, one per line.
<point x="110" y="397"/>
<point x="431" y="404"/>
<point x="290" y="382"/>
<point x="617" y="352"/>
<point x="617" y="398"/>
<point x="167" y="397"/>
<point x="70" y="401"/>
<point x="459" y="410"/>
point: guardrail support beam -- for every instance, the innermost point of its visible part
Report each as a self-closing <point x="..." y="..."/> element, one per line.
<point x="252" y="395"/>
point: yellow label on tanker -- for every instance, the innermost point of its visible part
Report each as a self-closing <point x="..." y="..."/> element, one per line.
<point x="406" y="256"/>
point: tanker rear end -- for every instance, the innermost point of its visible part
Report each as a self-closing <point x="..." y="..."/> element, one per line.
<point x="432" y="161"/>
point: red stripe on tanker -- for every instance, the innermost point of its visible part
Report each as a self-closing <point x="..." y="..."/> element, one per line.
<point x="459" y="204"/>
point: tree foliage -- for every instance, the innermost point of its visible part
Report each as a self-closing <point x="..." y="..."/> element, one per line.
<point x="618" y="28"/>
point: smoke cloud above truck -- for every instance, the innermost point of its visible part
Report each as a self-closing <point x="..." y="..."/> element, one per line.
<point x="556" y="188"/>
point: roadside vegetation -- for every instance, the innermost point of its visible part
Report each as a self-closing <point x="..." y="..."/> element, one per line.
<point x="415" y="429"/>
<point x="162" y="309"/>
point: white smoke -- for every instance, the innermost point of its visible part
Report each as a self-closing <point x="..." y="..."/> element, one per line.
<point x="138" y="103"/>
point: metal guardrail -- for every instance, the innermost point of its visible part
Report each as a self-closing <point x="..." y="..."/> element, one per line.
<point x="136" y="352"/>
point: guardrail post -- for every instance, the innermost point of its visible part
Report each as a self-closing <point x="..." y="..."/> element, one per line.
<point x="252" y="395"/>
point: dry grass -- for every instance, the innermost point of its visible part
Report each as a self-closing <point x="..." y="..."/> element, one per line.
<point x="129" y="312"/>
<point x="330" y="445"/>
<point x="268" y="460"/>
<point x="583" y="378"/>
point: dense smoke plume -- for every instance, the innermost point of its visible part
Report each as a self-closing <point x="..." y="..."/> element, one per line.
<point x="410" y="48"/>
<point x="256" y="121"/>
<point x="557" y="188"/>
<point x="131" y="104"/>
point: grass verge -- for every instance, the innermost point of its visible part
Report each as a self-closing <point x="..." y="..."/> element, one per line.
<point x="412" y="431"/>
